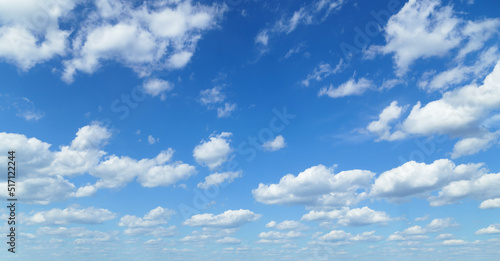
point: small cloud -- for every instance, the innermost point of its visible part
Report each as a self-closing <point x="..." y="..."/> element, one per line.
<point x="152" y="140"/>
<point x="155" y="87"/>
<point x="224" y="112"/>
<point x="276" y="144"/>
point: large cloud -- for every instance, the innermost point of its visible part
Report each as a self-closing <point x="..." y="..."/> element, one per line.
<point x="45" y="170"/>
<point x="316" y="186"/>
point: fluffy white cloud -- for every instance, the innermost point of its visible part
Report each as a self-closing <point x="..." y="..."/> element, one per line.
<point x="276" y="144"/>
<point x="30" y="32"/>
<point x="228" y="219"/>
<point x="490" y="203"/>
<point x="342" y="236"/>
<point x="216" y="179"/>
<point x="43" y="190"/>
<point x="45" y="169"/>
<point x="286" y="225"/>
<point x="473" y="145"/>
<point x="455" y="242"/>
<point x="155" y="87"/>
<point x="155" y="217"/>
<point x="214" y="152"/>
<point x="280" y="235"/>
<point x="70" y="216"/>
<point x="324" y="215"/>
<point x="414" y="179"/>
<point x="463" y="112"/>
<point x="316" y="186"/>
<point x="349" y="88"/>
<point x="381" y="126"/>
<point x="144" y="38"/>
<point x="416" y="233"/>
<point x="350" y="217"/>
<point x="363" y="216"/>
<point x="421" y="29"/>
<point x="492" y="229"/>
<point x="481" y="187"/>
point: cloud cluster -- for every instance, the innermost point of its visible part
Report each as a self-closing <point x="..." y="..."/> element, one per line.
<point x="47" y="170"/>
<point x="145" y="38"/>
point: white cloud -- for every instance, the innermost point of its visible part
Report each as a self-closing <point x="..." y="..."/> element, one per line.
<point x="151" y="231"/>
<point x="210" y="96"/>
<point x="30" y="32"/>
<point x="312" y="13"/>
<point x="492" y="229"/>
<point x="482" y="187"/>
<point x="460" y="112"/>
<point x="339" y="236"/>
<point x="44" y="181"/>
<point x="473" y="145"/>
<point x="349" y="88"/>
<point x="155" y="217"/>
<point x="79" y="232"/>
<point x="461" y="72"/>
<point x="324" y="215"/>
<point x="216" y="179"/>
<point x="363" y="216"/>
<point x="445" y="236"/>
<point x="455" y="242"/>
<point x="155" y="87"/>
<point x="262" y="38"/>
<point x="280" y="235"/>
<point x="224" y="112"/>
<point x="414" y="179"/>
<point x="214" y="152"/>
<point x="286" y="225"/>
<point x="142" y="38"/>
<point x="316" y="186"/>
<point x="421" y="29"/>
<point x="416" y="233"/>
<point x="381" y="126"/>
<point x="322" y="71"/>
<point x="350" y="217"/>
<point x="70" y="216"/>
<point x="228" y="219"/>
<point x="43" y="190"/>
<point x="228" y="240"/>
<point x="152" y="140"/>
<point x="490" y="203"/>
<point x="276" y="144"/>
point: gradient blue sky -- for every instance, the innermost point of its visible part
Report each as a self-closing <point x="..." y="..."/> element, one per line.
<point x="247" y="129"/>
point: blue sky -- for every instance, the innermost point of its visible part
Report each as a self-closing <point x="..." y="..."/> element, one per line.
<point x="246" y="129"/>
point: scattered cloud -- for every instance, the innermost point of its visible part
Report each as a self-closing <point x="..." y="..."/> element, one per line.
<point x="70" y="216"/>
<point x="276" y="144"/>
<point x="349" y="88"/>
<point x="316" y="186"/>
<point x="216" y="179"/>
<point x="228" y="219"/>
<point x="492" y="229"/>
<point x="214" y="152"/>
